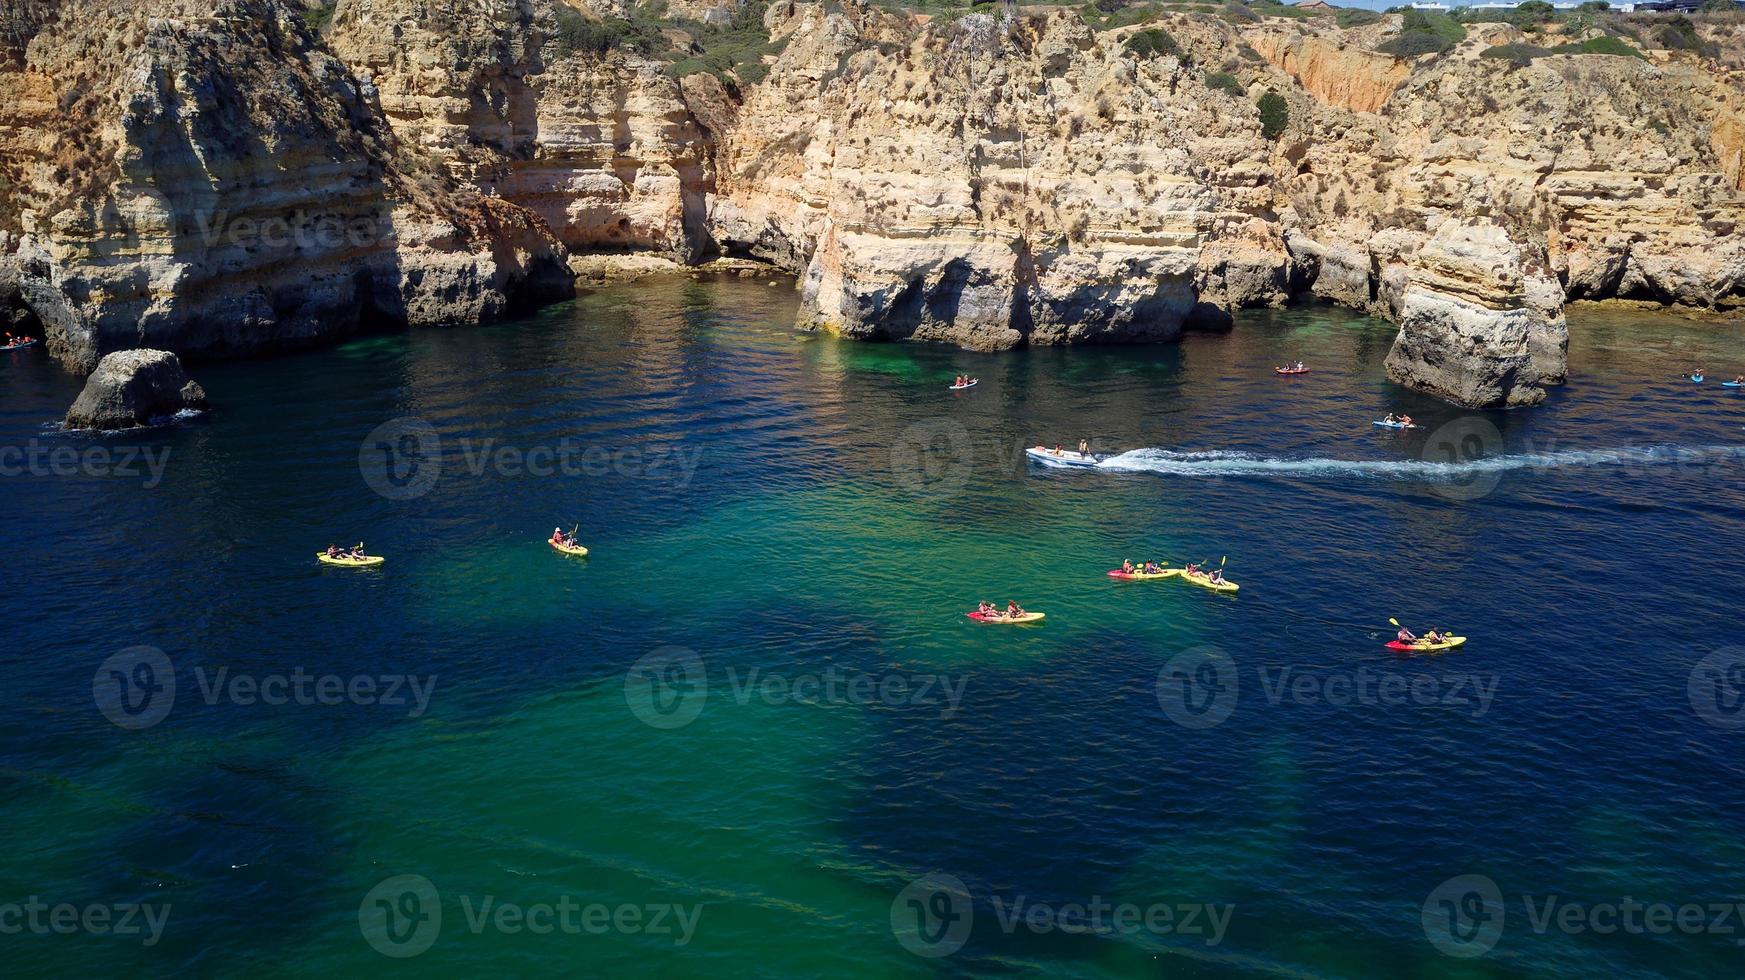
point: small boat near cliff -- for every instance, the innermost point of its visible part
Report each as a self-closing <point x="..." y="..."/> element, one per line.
<point x="1064" y="457"/>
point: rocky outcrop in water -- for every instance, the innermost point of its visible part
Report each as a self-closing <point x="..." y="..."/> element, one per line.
<point x="133" y="387"/>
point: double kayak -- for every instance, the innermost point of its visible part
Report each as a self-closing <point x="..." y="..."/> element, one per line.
<point x="1004" y="619"/>
<point x="1395" y="425"/>
<point x="1064" y="457"/>
<point x="1139" y="576"/>
<point x="1290" y="371"/>
<point x="972" y="384"/>
<point x="1205" y="581"/>
<point x="1425" y="646"/>
<point x="568" y="549"/>
<point x="19" y="346"/>
<point x="367" y="561"/>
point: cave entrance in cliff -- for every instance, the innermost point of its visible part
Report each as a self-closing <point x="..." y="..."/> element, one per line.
<point x="18" y="318"/>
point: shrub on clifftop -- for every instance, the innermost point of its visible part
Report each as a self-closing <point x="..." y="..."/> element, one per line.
<point x="1153" y="42"/>
<point x="1275" y="114"/>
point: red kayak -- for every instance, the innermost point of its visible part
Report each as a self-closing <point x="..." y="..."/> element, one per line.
<point x="1279" y="370"/>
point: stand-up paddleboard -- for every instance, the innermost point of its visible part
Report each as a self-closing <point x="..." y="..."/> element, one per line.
<point x="1066" y="457"/>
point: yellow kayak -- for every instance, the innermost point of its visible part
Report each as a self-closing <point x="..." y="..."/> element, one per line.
<point x="1204" y="581"/>
<point x="1425" y="646"/>
<point x="1004" y="619"/>
<point x="568" y="549"/>
<point x="1135" y="576"/>
<point x="367" y="561"/>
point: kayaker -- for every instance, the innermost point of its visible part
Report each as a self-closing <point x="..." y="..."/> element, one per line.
<point x="1434" y="635"/>
<point x="958" y="383"/>
<point x="1215" y="575"/>
<point x="1739" y="380"/>
<point x="986" y="608"/>
<point x="333" y="551"/>
<point x="357" y="550"/>
<point x="1405" y="420"/>
<point x="1059" y="451"/>
<point x="1151" y="568"/>
<point x="1127" y="565"/>
<point x="1299" y="365"/>
<point x="1193" y="568"/>
<point x="1405" y="636"/>
<point x="1013" y="610"/>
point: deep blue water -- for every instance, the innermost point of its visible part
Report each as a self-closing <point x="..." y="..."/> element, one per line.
<point x="790" y="504"/>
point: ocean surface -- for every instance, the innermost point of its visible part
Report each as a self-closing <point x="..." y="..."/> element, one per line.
<point x="753" y="733"/>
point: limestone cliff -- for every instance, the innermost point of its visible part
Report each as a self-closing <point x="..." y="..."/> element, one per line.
<point x="984" y="180"/>
<point x="206" y="178"/>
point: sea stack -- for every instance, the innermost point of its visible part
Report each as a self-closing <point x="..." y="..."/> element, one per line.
<point x="131" y="388"/>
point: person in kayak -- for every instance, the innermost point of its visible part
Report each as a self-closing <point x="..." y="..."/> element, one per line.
<point x="1127" y="565"/>
<point x="1215" y="576"/>
<point x="334" y="551"/>
<point x="1434" y="635"/>
<point x="986" y="608"/>
<point x="1151" y="568"/>
<point x="1013" y="610"/>
<point x="357" y="550"/>
<point x="1405" y="636"/>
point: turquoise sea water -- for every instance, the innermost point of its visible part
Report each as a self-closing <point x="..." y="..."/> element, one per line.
<point x="753" y="734"/>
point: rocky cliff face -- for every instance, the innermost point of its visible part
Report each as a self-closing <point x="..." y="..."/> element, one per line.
<point x="980" y="180"/>
<point x="601" y="146"/>
<point x="207" y="178"/>
<point x="995" y="183"/>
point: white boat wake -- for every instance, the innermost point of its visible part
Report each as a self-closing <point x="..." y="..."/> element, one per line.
<point x="1225" y="463"/>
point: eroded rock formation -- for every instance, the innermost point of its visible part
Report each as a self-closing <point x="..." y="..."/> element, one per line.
<point x="980" y="180"/>
<point x="133" y="387"/>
